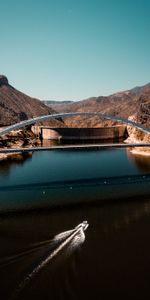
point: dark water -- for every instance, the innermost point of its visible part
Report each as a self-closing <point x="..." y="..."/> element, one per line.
<point x="114" y="259"/>
<point x="59" y="178"/>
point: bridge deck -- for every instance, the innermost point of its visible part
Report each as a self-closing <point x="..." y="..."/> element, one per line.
<point x="69" y="147"/>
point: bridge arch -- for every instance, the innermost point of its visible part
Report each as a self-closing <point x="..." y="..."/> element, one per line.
<point x="32" y="121"/>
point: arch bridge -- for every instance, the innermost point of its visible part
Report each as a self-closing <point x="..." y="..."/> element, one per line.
<point x="32" y="121"/>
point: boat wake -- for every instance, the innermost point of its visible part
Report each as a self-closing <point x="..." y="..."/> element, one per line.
<point x="66" y="241"/>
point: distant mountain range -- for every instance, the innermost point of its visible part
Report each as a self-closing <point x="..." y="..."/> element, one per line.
<point x="123" y="104"/>
<point x="53" y="102"/>
<point x="139" y="90"/>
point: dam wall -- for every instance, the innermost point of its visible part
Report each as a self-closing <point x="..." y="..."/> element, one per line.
<point x="101" y="133"/>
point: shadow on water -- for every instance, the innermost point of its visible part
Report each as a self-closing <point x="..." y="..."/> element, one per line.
<point x="63" y="193"/>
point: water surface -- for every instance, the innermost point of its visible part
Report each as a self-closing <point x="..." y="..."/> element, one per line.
<point x="58" y="178"/>
<point x="113" y="260"/>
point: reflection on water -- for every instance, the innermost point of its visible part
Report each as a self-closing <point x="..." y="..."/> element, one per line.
<point x="12" y="162"/>
<point x="59" y="178"/>
<point x="50" y="143"/>
<point x="141" y="161"/>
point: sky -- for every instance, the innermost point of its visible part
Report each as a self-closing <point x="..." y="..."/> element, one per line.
<point x="74" y="49"/>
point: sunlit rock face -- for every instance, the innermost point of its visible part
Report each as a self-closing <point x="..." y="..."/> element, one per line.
<point x="143" y="113"/>
<point x="16" y="106"/>
<point x="142" y="116"/>
<point x="3" y="80"/>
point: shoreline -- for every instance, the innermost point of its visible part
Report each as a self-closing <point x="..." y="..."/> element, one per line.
<point x="14" y="156"/>
<point x="143" y="151"/>
<point x="34" y="144"/>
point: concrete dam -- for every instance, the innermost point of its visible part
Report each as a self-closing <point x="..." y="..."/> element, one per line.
<point x="101" y="133"/>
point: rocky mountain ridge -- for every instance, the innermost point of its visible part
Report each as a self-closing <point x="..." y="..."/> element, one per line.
<point x="15" y="106"/>
<point x="133" y="104"/>
<point x="123" y="104"/>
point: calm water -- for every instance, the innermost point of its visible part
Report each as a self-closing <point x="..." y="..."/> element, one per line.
<point x="114" y="259"/>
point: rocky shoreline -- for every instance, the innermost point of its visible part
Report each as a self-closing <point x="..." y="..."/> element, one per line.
<point x="141" y="151"/>
<point x="18" y="139"/>
<point x="26" y="138"/>
<point x="136" y="136"/>
<point x="14" y="156"/>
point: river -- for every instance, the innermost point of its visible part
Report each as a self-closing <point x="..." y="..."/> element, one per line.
<point x="48" y="194"/>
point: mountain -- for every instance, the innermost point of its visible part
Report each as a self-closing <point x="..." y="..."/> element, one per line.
<point x="15" y="106"/>
<point x="139" y="90"/>
<point x="141" y="116"/>
<point x="123" y="104"/>
<point x="52" y="102"/>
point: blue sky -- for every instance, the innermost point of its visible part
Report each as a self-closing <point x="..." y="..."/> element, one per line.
<point x="74" y="49"/>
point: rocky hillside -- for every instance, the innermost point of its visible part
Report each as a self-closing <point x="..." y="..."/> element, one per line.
<point x="142" y="115"/>
<point x="16" y="106"/>
<point x="123" y="104"/>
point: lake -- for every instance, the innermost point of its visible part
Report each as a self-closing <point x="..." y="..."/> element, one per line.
<point x="49" y="193"/>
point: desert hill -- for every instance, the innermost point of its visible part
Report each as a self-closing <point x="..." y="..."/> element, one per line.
<point x="128" y="103"/>
<point x="15" y="106"/>
<point x="142" y="116"/>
